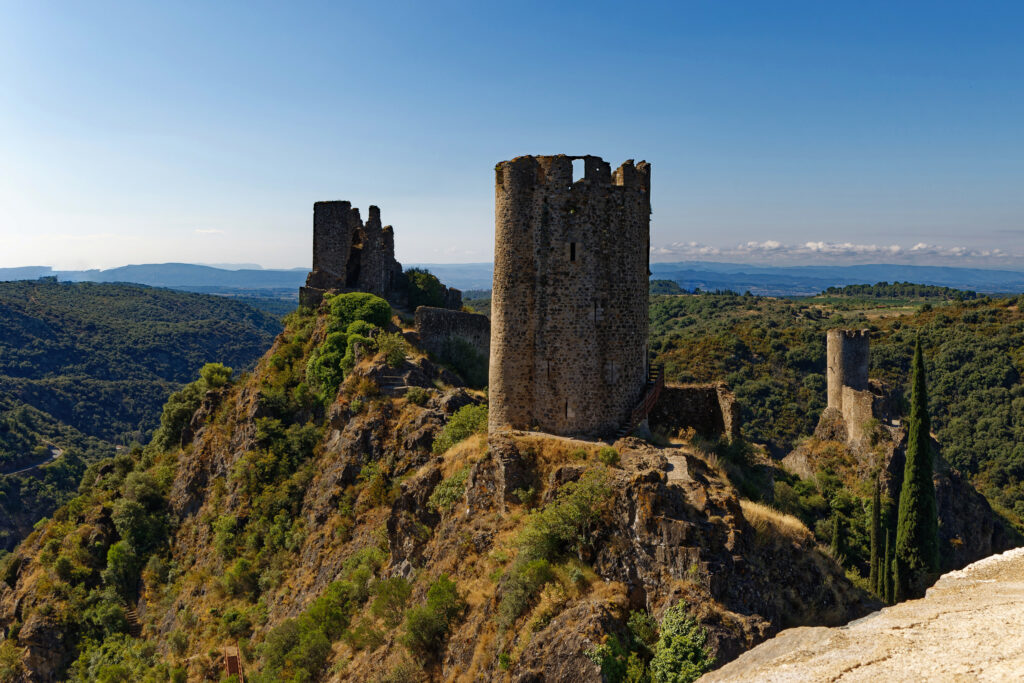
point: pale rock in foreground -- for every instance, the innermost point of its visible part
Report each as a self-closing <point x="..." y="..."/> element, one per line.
<point x="970" y="626"/>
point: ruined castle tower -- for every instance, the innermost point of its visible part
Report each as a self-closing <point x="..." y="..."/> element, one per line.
<point x="847" y="354"/>
<point x="348" y="255"/>
<point x="569" y="305"/>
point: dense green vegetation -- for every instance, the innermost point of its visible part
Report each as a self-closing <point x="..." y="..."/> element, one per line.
<point x="899" y="291"/>
<point x="103" y="358"/>
<point x="24" y="498"/>
<point x="84" y="366"/>
<point x="424" y="288"/>
<point x="665" y="287"/>
<point x="772" y="354"/>
<point x="674" y="651"/>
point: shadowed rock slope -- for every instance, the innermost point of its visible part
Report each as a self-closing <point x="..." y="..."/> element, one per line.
<point x="371" y="532"/>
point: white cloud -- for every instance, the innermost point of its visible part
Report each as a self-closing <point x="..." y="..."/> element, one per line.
<point x="210" y="231"/>
<point x="820" y="252"/>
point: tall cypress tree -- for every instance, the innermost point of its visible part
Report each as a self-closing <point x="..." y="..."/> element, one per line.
<point x="874" y="580"/>
<point x="917" y="526"/>
<point x="887" y="569"/>
<point x="836" y="536"/>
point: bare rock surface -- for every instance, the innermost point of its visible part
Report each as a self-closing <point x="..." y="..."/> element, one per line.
<point x="969" y="627"/>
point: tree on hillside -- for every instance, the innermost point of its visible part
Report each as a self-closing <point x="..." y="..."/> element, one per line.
<point x="874" y="580"/>
<point x="886" y="577"/>
<point x="917" y="527"/>
<point x="837" y="536"/>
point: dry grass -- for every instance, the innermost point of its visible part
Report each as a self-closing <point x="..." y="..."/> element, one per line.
<point x="466" y="452"/>
<point x="767" y="521"/>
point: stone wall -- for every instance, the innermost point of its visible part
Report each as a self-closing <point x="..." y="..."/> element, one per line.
<point x="847" y="354"/>
<point x="439" y="327"/>
<point x="710" y="409"/>
<point x="351" y="256"/>
<point x="569" y="301"/>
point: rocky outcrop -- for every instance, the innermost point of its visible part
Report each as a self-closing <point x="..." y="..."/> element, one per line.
<point x="969" y="529"/>
<point x="969" y="626"/>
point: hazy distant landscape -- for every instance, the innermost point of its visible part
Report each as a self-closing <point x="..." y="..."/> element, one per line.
<point x="264" y="287"/>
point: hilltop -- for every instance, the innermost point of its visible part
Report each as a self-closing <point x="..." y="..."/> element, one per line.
<point x="360" y="526"/>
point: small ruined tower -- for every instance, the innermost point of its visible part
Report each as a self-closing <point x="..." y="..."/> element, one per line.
<point x="350" y="256"/>
<point x="569" y="308"/>
<point x="847" y="355"/>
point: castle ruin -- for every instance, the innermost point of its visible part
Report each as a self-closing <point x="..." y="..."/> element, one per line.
<point x="851" y="395"/>
<point x="569" y="302"/>
<point x="349" y="255"/>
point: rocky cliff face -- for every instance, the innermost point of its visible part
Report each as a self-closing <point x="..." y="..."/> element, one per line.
<point x="274" y="499"/>
<point x="969" y="626"/>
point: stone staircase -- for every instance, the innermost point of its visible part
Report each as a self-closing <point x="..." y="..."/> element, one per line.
<point x="655" y="383"/>
<point x="393" y="383"/>
<point x="131" y="615"/>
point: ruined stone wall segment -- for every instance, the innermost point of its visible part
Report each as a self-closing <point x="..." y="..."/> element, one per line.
<point x="331" y="237"/>
<point x="847" y="357"/>
<point x="569" y="300"/>
<point x="437" y="326"/>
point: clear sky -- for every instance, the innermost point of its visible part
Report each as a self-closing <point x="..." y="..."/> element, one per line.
<point x="808" y="132"/>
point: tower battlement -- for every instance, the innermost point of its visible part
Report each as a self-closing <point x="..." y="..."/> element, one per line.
<point x="569" y="301"/>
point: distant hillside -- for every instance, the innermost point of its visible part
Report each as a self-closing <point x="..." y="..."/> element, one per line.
<point x="777" y="280"/>
<point x="690" y="275"/>
<point x="103" y="358"/>
<point x="84" y="366"/>
<point x="810" y="280"/>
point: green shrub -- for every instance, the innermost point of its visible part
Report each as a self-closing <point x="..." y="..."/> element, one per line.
<point x="424" y="288"/>
<point x="362" y="328"/>
<point x="566" y="523"/>
<point x="215" y="375"/>
<point x="236" y="623"/>
<point x="324" y="366"/>
<point x="224" y="535"/>
<point x="468" y="420"/>
<point x="519" y="587"/>
<point x="345" y="309"/>
<point x="449" y="491"/>
<point x="177" y="413"/>
<point x="417" y="395"/>
<point x="391" y="596"/>
<point x="609" y="456"/>
<point x="681" y="654"/>
<point x="394" y="347"/>
<point x="241" y="579"/>
<point x="63" y="567"/>
<point x="122" y="572"/>
<point x="426" y="626"/>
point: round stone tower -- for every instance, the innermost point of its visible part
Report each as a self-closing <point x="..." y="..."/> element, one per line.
<point x="569" y="313"/>
<point x="847" y="354"/>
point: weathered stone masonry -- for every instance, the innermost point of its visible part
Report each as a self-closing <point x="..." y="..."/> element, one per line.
<point x="710" y="409"/>
<point x="438" y="327"/>
<point x="569" y="302"/>
<point x="351" y="256"/>
<point x="851" y="394"/>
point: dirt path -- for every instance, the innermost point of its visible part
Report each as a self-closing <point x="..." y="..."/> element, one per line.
<point x="54" y="454"/>
<point x="969" y="627"/>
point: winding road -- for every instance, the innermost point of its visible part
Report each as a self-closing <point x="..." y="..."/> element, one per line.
<point x="54" y="454"/>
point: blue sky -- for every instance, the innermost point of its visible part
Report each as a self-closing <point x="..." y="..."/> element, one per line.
<point x="784" y="132"/>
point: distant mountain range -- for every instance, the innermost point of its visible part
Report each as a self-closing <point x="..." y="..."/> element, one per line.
<point x="706" y="275"/>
